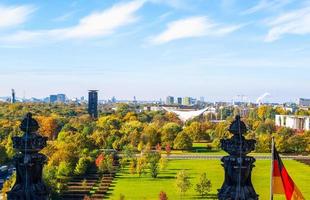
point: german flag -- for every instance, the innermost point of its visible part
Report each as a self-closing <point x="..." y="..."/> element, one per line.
<point x="282" y="183"/>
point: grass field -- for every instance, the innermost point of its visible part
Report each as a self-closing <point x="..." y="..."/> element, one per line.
<point x="145" y="188"/>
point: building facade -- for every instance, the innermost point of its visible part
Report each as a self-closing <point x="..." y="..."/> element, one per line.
<point x="53" y="98"/>
<point x="93" y="103"/>
<point x="304" y="102"/>
<point x="169" y="100"/>
<point x="293" y="122"/>
<point x="179" y="100"/>
<point x="61" y="98"/>
<point x="186" y="101"/>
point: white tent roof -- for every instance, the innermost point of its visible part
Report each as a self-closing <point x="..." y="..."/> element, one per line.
<point x="186" y="115"/>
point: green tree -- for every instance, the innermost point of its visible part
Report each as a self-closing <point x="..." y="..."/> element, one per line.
<point x="183" y="182"/>
<point x="183" y="141"/>
<point x="203" y="187"/>
<point x="3" y="155"/>
<point x="194" y="130"/>
<point x="152" y="158"/>
<point x="82" y="166"/>
<point x="169" y="132"/>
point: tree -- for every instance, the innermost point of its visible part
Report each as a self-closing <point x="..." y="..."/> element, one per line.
<point x="48" y="126"/>
<point x="133" y="165"/>
<point x="3" y="155"/>
<point x="194" y="130"/>
<point x="183" y="182"/>
<point x="298" y="143"/>
<point x="106" y="164"/>
<point x="151" y="135"/>
<point x="65" y="169"/>
<point x="183" y="142"/>
<point x="152" y="158"/>
<point x="82" y="166"/>
<point x="7" y="185"/>
<point x="203" y="187"/>
<point x="263" y="144"/>
<point x="141" y="165"/>
<point x="163" y="163"/>
<point x="163" y="196"/>
<point x="169" y="132"/>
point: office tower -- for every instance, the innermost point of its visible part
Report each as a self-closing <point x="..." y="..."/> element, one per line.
<point x="179" y="100"/>
<point x="13" y="96"/>
<point x="93" y="103"/>
<point x="187" y="101"/>
<point x="169" y="100"/>
<point x="61" y="98"/>
<point x="53" y="98"/>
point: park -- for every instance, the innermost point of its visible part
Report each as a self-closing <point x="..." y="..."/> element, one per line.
<point x="134" y="187"/>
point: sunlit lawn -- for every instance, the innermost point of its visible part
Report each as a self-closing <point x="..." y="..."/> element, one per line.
<point x="135" y="188"/>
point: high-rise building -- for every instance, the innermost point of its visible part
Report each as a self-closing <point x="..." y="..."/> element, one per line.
<point x="13" y="96"/>
<point x="61" y="98"/>
<point x="53" y="98"/>
<point x="169" y="100"/>
<point x="187" y="101"/>
<point x="179" y="100"/>
<point x="93" y="103"/>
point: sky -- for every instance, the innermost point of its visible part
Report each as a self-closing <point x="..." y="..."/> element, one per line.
<point x="150" y="49"/>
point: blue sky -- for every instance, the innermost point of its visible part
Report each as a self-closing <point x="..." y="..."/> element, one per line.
<point x="153" y="48"/>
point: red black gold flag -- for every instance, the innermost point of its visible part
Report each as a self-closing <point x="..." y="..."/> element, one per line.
<point x="282" y="183"/>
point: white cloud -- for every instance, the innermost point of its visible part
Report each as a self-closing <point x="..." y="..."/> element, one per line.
<point x="267" y="5"/>
<point x="192" y="27"/>
<point x="294" y="22"/>
<point x="97" y="24"/>
<point x="14" y="15"/>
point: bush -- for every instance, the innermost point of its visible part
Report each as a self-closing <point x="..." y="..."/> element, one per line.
<point x="163" y="196"/>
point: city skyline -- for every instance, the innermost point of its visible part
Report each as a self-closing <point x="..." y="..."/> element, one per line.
<point x="154" y="48"/>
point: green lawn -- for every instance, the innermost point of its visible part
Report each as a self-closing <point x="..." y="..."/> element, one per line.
<point x="145" y="188"/>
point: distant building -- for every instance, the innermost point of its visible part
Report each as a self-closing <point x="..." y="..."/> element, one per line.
<point x="169" y="100"/>
<point x="304" y="102"/>
<point x="179" y="100"/>
<point x="294" y="122"/>
<point x="53" y="98"/>
<point x="186" y="101"/>
<point x="93" y="103"/>
<point x="61" y="98"/>
<point x="153" y="108"/>
<point x="13" y="96"/>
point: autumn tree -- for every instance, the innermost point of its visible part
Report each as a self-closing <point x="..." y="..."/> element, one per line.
<point x="48" y="126"/>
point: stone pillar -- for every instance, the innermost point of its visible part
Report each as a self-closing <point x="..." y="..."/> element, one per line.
<point x="29" y="163"/>
<point x="238" y="166"/>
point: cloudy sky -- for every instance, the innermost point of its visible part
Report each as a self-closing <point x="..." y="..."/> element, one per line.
<point x="153" y="48"/>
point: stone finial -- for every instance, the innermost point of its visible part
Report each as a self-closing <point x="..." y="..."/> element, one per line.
<point x="28" y="124"/>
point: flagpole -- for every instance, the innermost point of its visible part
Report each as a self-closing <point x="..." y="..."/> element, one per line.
<point x="271" y="168"/>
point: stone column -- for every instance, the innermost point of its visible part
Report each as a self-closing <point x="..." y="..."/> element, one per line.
<point x="238" y="166"/>
<point x="29" y="163"/>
